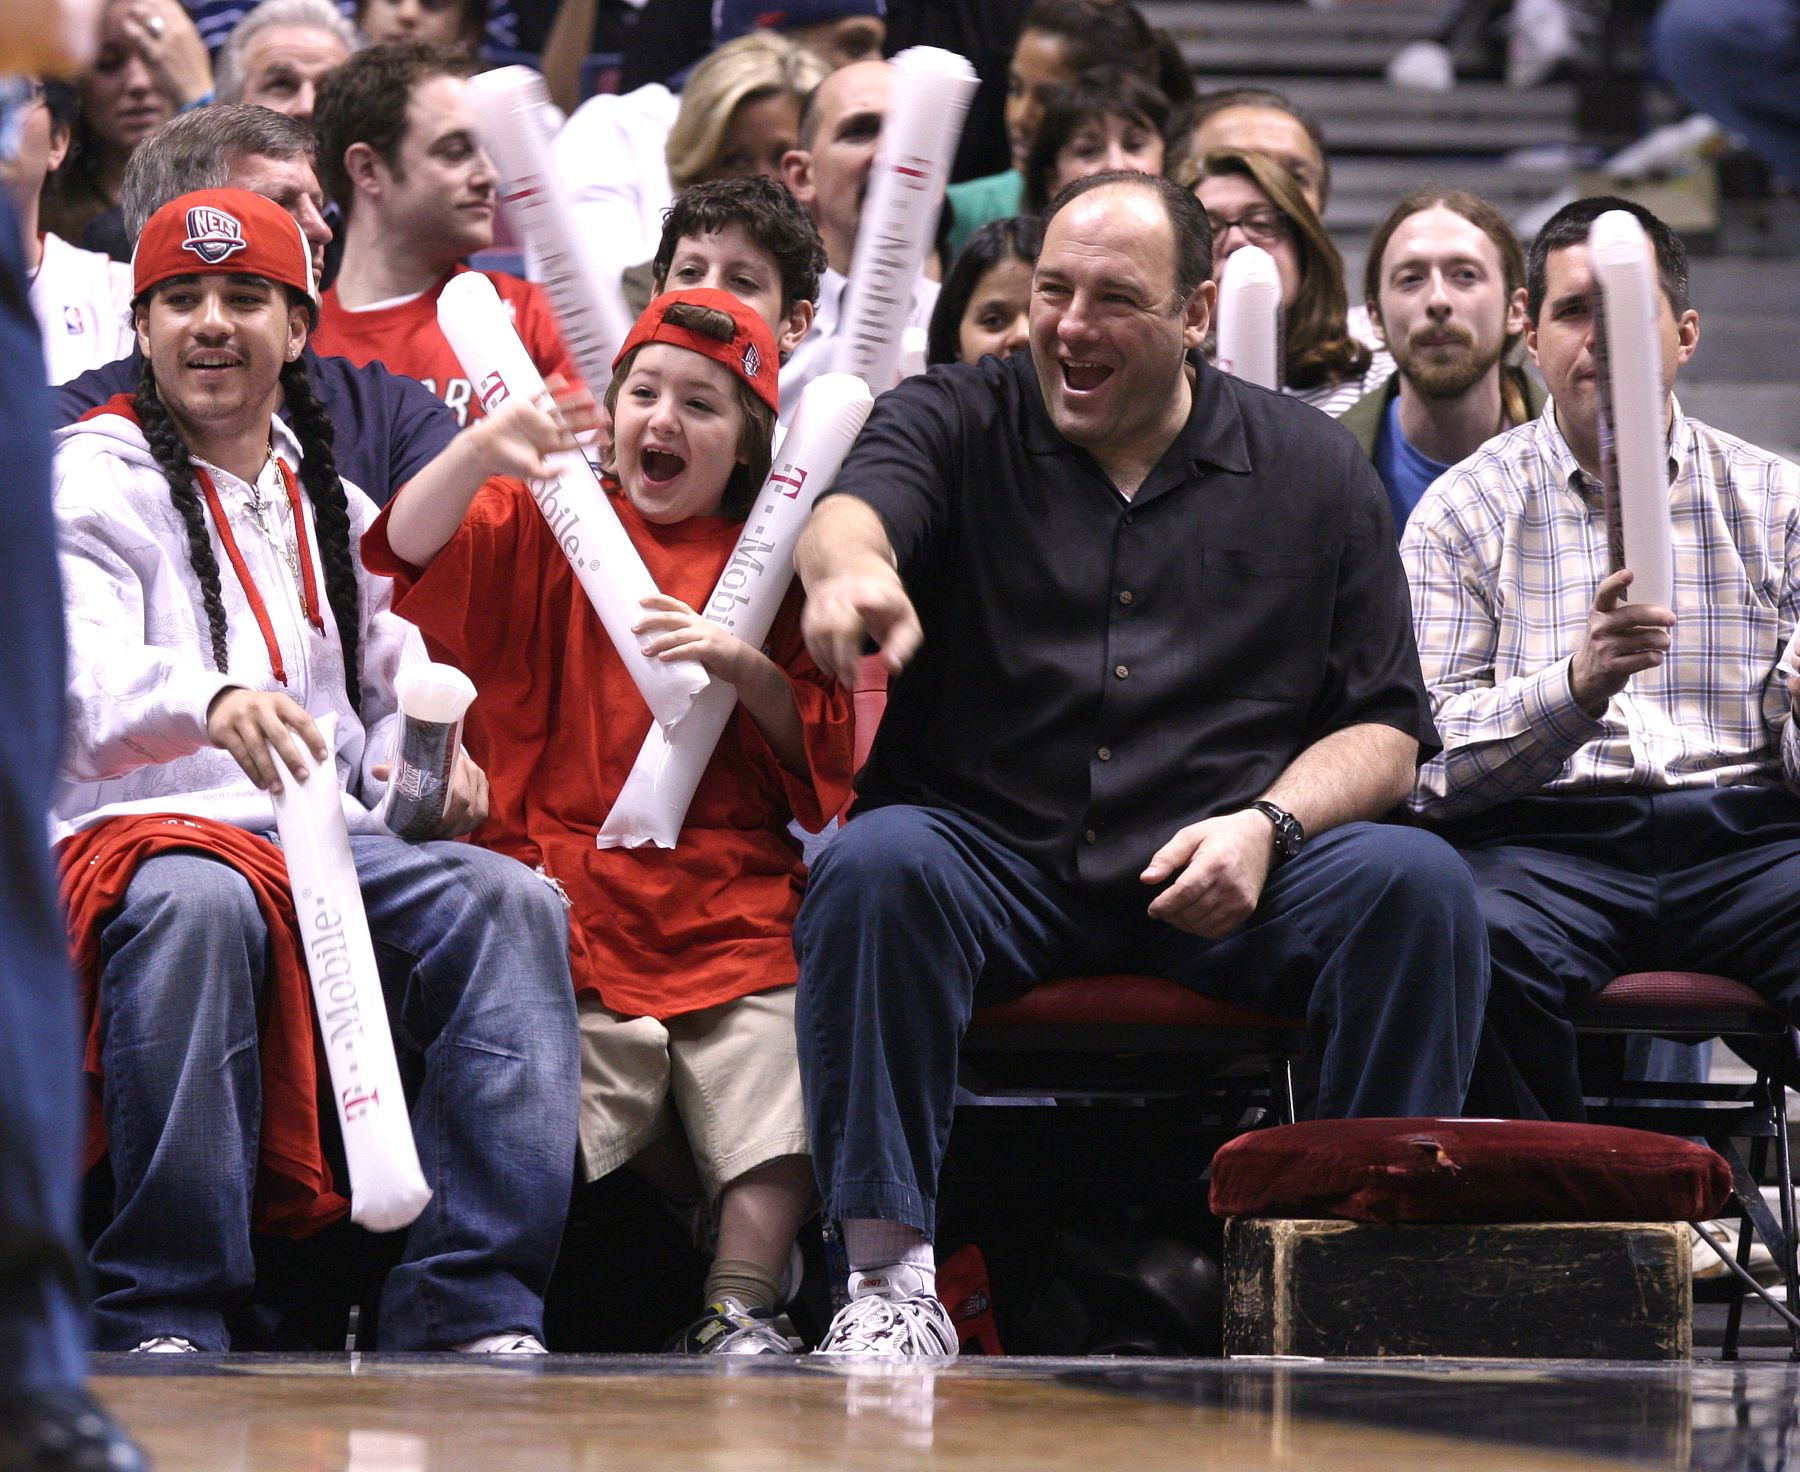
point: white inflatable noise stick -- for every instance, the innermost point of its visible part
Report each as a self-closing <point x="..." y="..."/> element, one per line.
<point x="1633" y="435"/>
<point x="1249" y="336"/>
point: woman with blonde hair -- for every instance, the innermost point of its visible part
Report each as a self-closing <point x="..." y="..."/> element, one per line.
<point x="624" y="158"/>
<point x="1252" y="200"/>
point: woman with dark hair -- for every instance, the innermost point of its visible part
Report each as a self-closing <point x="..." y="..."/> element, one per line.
<point x="1252" y="200"/>
<point x="1109" y="119"/>
<point x="982" y="307"/>
<point x="220" y="621"/>
<point x="1059" y="41"/>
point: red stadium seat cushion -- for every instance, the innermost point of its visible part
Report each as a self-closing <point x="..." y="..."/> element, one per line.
<point x="1124" y="1001"/>
<point x="1467" y="1170"/>
<point x="1687" y="989"/>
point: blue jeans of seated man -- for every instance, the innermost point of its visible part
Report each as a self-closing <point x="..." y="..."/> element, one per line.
<point x="914" y="916"/>
<point x="1739" y="61"/>
<point x="472" y="950"/>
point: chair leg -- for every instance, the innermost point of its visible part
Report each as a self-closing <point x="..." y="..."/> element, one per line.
<point x="1790" y="1270"/>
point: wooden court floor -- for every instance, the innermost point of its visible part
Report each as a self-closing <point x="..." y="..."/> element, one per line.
<point x="256" y="1413"/>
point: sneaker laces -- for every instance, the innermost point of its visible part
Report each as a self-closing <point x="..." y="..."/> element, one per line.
<point x="877" y="1325"/>
<point x="727" y="1327"/>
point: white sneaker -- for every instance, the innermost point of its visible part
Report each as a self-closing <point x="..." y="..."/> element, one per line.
<point x="914" y="1327"/>
<point x="503" y="1344"/>
<point x="167" y="1344"/>
<point x="1707" y="1265"/>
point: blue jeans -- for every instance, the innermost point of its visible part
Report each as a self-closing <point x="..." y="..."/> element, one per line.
<point x="914" y="917"/>
<point x="471" y="948"/>
<point x="1739" y="61"/>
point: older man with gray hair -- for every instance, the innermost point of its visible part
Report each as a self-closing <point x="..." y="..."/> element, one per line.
<point x="277" y="55"/>
<point x="388" y="427"/>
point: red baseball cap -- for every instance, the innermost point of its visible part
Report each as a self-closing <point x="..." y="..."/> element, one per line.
<point x="749" y="353"/>
<point x="221" y="231"/>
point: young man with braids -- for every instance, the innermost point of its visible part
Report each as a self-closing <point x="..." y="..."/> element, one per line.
<point x="216" y="607"/>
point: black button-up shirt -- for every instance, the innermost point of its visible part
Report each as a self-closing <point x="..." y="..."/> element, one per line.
<point x="1098" y="672"/>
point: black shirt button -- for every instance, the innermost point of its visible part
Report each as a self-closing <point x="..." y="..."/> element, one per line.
<point x="1130" y="517"/>
<point x="1104" y="753"/>
<point x="1125" y="597"/>
<point x="1091" y="836"/>
<point x="1121" y="671"/>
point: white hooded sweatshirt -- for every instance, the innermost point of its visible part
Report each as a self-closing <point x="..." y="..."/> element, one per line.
<point x="141" y="673"/>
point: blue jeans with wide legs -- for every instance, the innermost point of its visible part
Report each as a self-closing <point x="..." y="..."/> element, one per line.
<point x="914" y="917"/>
<point x="472" y="950"/>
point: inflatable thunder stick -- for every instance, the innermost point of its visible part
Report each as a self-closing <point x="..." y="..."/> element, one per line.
<point x="387" y="1188"/>
<point x="510" y="106"/>
<point x="653" y="803"/>
<point x="1249" y="339"/>
<point x="587" y="529"/>
<point x="1633" y="438"/>
<point x="433" y="698"/>
<point x="931" y="94"/>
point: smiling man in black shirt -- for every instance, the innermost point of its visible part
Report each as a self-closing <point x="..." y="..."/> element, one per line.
<point x="1158" y="674"/>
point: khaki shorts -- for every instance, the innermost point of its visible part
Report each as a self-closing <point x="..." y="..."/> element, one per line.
<point x="729" y="1073"/>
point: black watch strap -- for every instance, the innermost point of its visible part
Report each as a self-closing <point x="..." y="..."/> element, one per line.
<point x="1289" y="835"/>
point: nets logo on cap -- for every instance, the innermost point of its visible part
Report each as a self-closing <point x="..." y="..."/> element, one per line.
<point x="212" y="234"/>
<point x="752" y="361"/>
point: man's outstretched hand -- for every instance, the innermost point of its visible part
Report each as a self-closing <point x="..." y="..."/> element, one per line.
<point x="846" y="609"/>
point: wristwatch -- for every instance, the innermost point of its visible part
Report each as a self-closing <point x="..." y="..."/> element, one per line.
<point x="1289" y="835"/>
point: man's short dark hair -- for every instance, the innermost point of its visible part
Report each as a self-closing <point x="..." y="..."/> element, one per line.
<point x="365" y="101"/>
<point x="197" y="150"/>
<point x="1570" y="225"/>
<point x="1193" y="233"/>
<point x="1187" y="121"/>
<point x="770" y="216"/>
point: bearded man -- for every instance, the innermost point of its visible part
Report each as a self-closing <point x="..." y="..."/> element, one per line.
<point x="1445" y="286"/>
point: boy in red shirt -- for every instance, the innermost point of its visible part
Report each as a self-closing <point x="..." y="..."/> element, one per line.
<point x="682" y="957"/>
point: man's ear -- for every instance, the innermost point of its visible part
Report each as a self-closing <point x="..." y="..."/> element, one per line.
<point x="297" y="329"/>
<point x="1531" y="340"/>
<point x="794" y="329"/>
<point x="1687" y="335"/>
<point x="1197" y="315"/>
<point x="1380" y="331"/>
<point x="61" y="136"/>
<point x="796" y="173"/>
<point x="369" y="173"/>
<point x="140" y="321"/>
<point x="1516" y="321"/>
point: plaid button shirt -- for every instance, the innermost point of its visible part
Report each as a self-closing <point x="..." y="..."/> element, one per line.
<point x="1504" y="555"/>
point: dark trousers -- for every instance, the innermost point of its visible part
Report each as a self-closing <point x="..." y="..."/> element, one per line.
<point x="1578" y="890"/>
<point x="913" y="917"/>
<point x="42" y="1339"/>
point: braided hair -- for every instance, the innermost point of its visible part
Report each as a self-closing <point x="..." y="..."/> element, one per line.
<point x="319" y="476"/>
<point x="331" y="516"/>
<point x="171" y="453"/>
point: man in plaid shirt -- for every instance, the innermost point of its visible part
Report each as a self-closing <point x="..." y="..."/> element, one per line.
<point x="1621" y="777"/>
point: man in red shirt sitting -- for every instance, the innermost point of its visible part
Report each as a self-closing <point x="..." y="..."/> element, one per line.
<point x="399" y="154"/>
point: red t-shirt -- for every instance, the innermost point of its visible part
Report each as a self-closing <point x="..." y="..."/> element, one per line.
<point x="558" y="723"/>
<point x="407" y="339"/>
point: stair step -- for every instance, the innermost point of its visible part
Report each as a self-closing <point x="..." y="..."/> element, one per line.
<point x="1353" y="40"/>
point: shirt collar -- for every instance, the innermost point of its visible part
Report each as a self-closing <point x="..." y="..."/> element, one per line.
<point x="1213" y="434"/>
<point x="1569" y="474"/>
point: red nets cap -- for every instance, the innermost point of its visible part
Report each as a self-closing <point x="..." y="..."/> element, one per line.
<point x="221" y="231"/>
<point x="749" y="352"/>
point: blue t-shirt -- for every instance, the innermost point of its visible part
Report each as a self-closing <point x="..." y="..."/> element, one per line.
<point x="1404" y="471"/>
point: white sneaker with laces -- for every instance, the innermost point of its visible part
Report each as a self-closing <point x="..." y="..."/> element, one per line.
<point x="166" y="1344"/>
<point x="503" y="1344"/>
<point x="875" y="1326"/>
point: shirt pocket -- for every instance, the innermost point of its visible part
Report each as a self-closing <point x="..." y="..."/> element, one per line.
<point x="1723" y="654"/>
<point x="1267" y="621"/>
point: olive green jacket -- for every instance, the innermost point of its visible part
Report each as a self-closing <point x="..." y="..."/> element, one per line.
<point x="1363" y="418"/>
